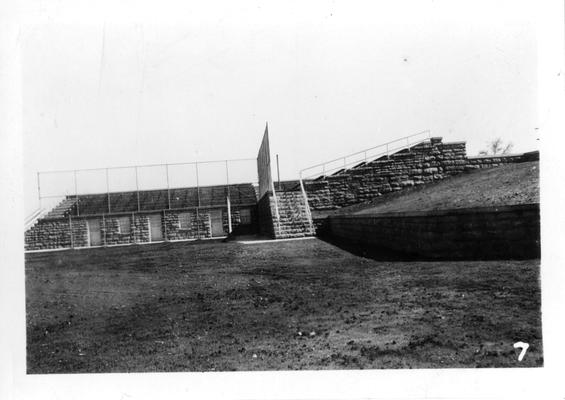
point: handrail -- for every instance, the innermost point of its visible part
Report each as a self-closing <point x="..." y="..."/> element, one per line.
<point x="387" y="151"/>
<point x="34" y="216"/>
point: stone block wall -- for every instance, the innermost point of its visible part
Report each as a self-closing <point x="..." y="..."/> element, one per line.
<point x="112" y="235"/>
<point x="425" y="162"/>
<point x="235" y="220"/>
<point x="48" y="235"/>
<point x="140" y="228"/>
<point x="199" y="225"/>
<point x="66" y="233"/>
<point x="496" y="161"/>
<point x="79" y="232"/>
<point x="510" y="232"/>
<point x="236" y="223"/>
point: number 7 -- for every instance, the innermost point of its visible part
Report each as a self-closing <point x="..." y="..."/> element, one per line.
<point x="524" y="347"/>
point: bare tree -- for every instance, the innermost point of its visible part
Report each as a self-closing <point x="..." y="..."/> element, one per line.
<point x="497" y="147"/>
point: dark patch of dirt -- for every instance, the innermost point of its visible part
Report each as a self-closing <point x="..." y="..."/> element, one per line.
<point x="274" y="306"/>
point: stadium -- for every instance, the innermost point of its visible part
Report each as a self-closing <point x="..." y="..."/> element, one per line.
<point x="318" y="201"/>
<point x="409" y="254"/>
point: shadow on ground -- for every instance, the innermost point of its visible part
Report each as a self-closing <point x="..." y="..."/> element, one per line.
<point x="373" y="252"/>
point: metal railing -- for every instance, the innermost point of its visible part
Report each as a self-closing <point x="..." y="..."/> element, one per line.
<point x="359" y="158"/>
<point x="33" y="217"/>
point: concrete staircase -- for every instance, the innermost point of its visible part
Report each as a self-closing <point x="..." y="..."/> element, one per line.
<point x="294" y="216"/>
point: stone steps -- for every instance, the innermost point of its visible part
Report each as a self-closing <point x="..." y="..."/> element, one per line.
<point x="294" y="220"/>
<point x="61" y="210"/>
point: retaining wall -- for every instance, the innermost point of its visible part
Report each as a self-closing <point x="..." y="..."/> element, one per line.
<point x="495" y="161"/>
<point x="509" y="232"/>
<point x="56" y="233"/>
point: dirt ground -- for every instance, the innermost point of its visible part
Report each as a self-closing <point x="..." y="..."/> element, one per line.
<point x="304" y="304"/>
<point x="513" y="184"/>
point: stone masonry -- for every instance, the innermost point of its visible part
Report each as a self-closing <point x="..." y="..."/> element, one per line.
<point x="70" y="232"/>
<point x="294" y="220"/>
<point x="473" y="233"/>
<point x="423" y="163"/>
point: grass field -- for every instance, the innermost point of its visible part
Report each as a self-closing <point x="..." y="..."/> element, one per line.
<point x="273" y="306"/>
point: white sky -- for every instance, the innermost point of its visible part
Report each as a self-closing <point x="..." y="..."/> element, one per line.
<point x="330" y="79"/>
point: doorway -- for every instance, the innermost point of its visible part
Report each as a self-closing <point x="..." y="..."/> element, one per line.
<point x="217" y="223"/>
<point x="94" y="235"/>
<point x="155" y="227"/>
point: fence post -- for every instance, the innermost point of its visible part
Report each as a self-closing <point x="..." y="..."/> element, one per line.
<point x="165" y="225"/>
<point x="137" y="189"/>
<point x="197" y="223"/>
<point x="108" y="191"/>
<point x="278" y="174"/>
<point x="228" y="200"/>
<point x="229" y="213"/>
<point x="197" y="184"/>
<point x="39" y="190"/>
<point x="136" y="232"/>
<point x="76" y="193"/>
<point x="71" y="232"/>
<point x="104" y="225"/>
<point x="168" y="187"/>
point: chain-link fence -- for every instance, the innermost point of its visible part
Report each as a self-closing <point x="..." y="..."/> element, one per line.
<point x="55" y="187"/>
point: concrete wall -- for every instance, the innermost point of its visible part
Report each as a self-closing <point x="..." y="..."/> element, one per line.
<point x="56" y="233"/>
<point x="266" y="214"/>
<point x="473" y="233"/>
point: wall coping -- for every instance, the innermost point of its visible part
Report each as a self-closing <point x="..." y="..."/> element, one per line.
<point x="455" y="142"/>
<point x="437" y="213"/>
<point x="501" y="155"/>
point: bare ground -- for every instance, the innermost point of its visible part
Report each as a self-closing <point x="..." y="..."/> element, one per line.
<point x="509" y="184"/>
<point x="274" y="306"/>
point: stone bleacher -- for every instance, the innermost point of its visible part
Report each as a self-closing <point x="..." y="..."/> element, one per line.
<point x="61" y="210"/>
<point x="206" y="196"/>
